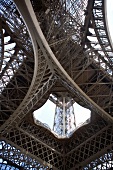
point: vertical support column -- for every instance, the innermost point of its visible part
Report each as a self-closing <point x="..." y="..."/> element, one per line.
<point x="58" y="120"/>
<point x="64" y="119"/>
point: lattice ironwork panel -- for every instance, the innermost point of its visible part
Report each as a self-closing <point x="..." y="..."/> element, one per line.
<point x="92" y="148"/>
<point x="44" y="135"/>
<point x="85" y="132"/>
<point x="9" y="154"/>
<point x="35" y="147"/>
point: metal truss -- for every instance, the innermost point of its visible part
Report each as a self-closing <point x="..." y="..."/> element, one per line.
<point x="40" y="82"/>
<point x="94" y="147"/>
<point x="28" y="106"/>
<point x="91" y="148"/>
<point x="100" y="26"/>
<point x="99" y="72"/>
<point x="43" y="135"/>
<point x="16" y="60"/>
<point x="101" y="55"/>
<point x="56" y="49"/>
<point x="40" y="74"/>
<point x="35" y="147"/>
<point x="89" y="130"/>
<point x="99" y="16"/>
<point x="16" y="159"/>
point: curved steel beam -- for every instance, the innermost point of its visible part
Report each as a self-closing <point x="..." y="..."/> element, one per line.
<point x="32" y="88"/>
<point x="99" y="19"/>
<point x="29" y="17"/>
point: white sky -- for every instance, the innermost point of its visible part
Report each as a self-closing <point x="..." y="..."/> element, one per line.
<point x="46" y="113"/>
<point x="110" y="16"/>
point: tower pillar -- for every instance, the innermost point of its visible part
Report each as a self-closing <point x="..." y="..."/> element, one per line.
<point x="64" y="119"/>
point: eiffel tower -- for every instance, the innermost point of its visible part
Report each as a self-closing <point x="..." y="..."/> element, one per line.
<point x="60" y="48"/>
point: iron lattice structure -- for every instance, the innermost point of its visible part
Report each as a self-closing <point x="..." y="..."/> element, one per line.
<point x="55" y="47"/>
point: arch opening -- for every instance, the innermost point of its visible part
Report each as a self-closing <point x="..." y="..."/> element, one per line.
<point x="50" y="115"/>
